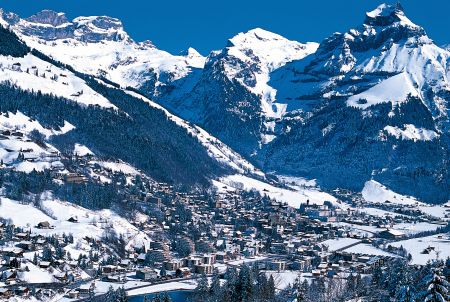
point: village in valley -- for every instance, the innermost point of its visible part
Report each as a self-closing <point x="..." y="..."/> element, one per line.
<point x="170" y="239"/>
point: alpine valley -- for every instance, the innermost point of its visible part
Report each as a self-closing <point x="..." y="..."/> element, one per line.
<point x="137" y="144"/>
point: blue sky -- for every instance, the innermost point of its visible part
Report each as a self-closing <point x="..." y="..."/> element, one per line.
<point x="207" y="24"/>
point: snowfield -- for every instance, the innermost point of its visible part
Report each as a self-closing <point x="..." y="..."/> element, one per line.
<point x="411" y="132"/>
<point x="340" y="243"/>
<point x="375" y="192"/>
<point x="90" y="223"/>
<point x="394" y="89"/>
<point x="439" y="244"/>
<point x="293" y="197"/>
<point x="33" y="74"/>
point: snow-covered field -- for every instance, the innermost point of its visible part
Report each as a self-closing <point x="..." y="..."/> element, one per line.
<point x="176" y="285"/>
<point x="375" y="192"/>
<point x="415" y="246"/>
<point x="367" y="249"/>
<point x="340" y="243"/>
<point x="90" y="223"/>
<point x="36" y="156"/>
<point x="39" y="78"/>
<point x="293" y="197"/>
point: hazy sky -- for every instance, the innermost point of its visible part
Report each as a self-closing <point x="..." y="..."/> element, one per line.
<point x="206" y="25"/>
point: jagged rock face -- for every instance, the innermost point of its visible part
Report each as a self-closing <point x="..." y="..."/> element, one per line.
<point x="96" y="29"/>
<point x="50" y="26"/>
<point x="381" y="102"/>
<point x="98" y="45"/>
<point x="46" y="24"/>
<point x="230" y="97"/>
<point x="49" y="17"/>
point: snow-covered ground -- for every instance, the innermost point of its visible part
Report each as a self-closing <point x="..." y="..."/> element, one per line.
<point x="34" y="74"/>
<point x="293" y="197"/>
<point x="36" y="156"/>
<point x="394" y="89"/>
<point x="375" y="192"/>
<point x="415" y="246"/>
<point x="414" y="228"/>
<point x="378" y="212"/>
<point x="176" y="285"/>
<point x="283" y="279"/>
<point x="367" y="249"/>
<point x="339" y="243"/>
<point x="90" y="223"/>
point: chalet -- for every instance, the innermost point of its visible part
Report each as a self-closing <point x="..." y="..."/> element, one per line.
<point x="204" y="269"/>
<point x="12" y="252"/>
<point x="44" y="264"/>
<point x="173" y="265"/>
<point x="44" y="225"/>
<point x="22" y="291"/>
<point x="391" y="234"/>
<point x="73" y="294"/>
<point x="9" y="276"/>
<point x="73" y="219"/>
<point x="86" y="289"/>
<point x="108" y="269"/>
<point x="125" y="263"/>
<point x="76" y="178"/>
<point x="277" y="265"/>
<point x="5" y="293"/>
<point x="25" y="245"/>
<point x="146" y="274"/>
<point x="23" y="236"/>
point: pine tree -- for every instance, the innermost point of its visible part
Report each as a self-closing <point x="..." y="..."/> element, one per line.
<point x="215" y="288"/>
<point x="166" y="298"/>
<point x="446" y="270"/>
<point x="302" y="291"/>
<point x="35" y="259"/>
<point x="121" y="295"/>
<point x="157" y="298"/>
<point x="271" y="288"/>
<point x="201" y="292"/>
<point x="404" y="294"/>
<point x="147" y="298"/>
<point x="438" y="287"/>
<point x="245" y="285"/>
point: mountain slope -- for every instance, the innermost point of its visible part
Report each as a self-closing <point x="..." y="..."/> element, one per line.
<point x="379" y="96"/>
<point x="98" y="45"/>
<point x="226" y="93"/>
<point x="74" y="108"/>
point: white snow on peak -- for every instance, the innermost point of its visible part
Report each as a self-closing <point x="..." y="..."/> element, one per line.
<point x="194" y="58"/>
<point x="385" y="10"/>
<point x="124" y="62"/>
<point x="272" y="49"/>
<point x="395" y="89"/>
<point x="268" y="51"/>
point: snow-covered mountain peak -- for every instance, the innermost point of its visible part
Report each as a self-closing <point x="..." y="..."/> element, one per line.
<point x="194" y="58"/>
<point x="255" y="35"/>
<point x="49" y="17"/>
<point x="386" y="14"/>
<point x="99" y="28"/>
<point x="50" y="25"/>
<point x="271" y="49"/>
